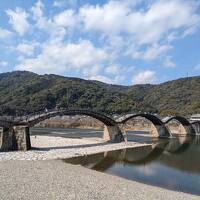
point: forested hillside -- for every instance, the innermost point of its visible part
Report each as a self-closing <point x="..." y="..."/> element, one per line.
<point x="26" y="92"/>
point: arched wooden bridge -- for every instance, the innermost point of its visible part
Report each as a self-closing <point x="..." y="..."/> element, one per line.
<point x="112" y="131"/>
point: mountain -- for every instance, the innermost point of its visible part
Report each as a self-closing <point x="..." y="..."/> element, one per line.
<point x="23" y="92"/>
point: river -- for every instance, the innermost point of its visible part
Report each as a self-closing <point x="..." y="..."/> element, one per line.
<point x="168" y="163"/>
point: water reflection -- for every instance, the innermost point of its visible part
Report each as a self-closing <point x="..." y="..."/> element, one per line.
<point x="172" y="163"/>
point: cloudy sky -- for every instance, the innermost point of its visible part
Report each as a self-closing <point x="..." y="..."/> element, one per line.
<point x="115" y="41"/>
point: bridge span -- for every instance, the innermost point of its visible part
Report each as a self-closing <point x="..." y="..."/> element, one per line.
<point x="14" y="133"/>
<point x="186" y="127"/>
<point x="158" y="129"/>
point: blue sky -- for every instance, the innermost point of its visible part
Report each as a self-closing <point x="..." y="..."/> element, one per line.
<point x="118" y="41"/>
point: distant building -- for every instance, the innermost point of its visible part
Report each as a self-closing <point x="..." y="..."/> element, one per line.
<point x="195" y="117"/>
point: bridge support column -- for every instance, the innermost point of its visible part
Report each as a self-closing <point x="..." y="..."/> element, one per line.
<point x="159" y="131"/>
<point x="186" y="130"/>
<point x="6" y="139"/>
<point x="113" y="133"/>
<point x="22" y="138"/>
<point x="196" y="127"/>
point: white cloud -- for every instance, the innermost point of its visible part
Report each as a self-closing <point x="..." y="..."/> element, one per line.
<point x="54" y="26"/>
<point x="18" y="19"/>
<point x="5" y="34"/>
<point x="92" y="71"/>
<point x="3" y="63"/>
<point x="112" y="69"/>
<point x="169" y="63"/>
<point x="41" y="21"/>
<point x="66" y="19"/>
<point x="119" y="78"/>
<point x="37" y="10"/>
<point x="151" y="52"/>
<point x="172" y="36"/>
<point x="140" y="29"/>
<point x="113" y="74"/>
<point x="101" y="78"/>
<point x="27" y="48"/>
<point x="107" y="79"/>
<point x="145" y="26"/>
<point x="60" y="57"/>
<point x="122" y="31"/>
<point x="104" y="18"/>
<point x="144" y="77"/>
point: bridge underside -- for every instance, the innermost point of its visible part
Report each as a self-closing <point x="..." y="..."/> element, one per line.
<point x="185" y="127"/>
<point x="111" y="130"/>
<point x="101" y="117"/>
<point x="18" y="137"/>
<point x="158" y="128"/>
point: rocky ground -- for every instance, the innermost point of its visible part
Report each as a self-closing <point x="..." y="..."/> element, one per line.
<point x="56" y="180"/>
<point x="38" y="174"/>
<point x="48" y="148"/>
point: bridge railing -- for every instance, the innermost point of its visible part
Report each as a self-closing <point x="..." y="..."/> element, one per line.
<point x="33" y="116"/>
<point x="7" y="118"/>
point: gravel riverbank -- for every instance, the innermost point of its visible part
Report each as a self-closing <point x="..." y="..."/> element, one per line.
<point x="38" y="174"/>
<point x="50" y="147"/>
<point x="56" y="180"/>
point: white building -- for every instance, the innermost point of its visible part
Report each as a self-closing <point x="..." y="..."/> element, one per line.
<point x="195" y="117"/>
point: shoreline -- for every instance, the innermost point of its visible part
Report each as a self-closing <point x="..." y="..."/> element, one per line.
<point x="54" y="147"/>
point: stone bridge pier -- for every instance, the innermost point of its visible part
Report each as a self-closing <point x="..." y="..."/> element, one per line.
<point x="22" y="138"/>
<point x="15" y="138"/>
<point x="6" y="139"/>
<point x="112" y="133"/>
<point x="196" y="127"/>
<point x="159" y="131"/>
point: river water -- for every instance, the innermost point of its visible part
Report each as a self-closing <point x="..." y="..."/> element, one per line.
<point x="169" y="163"/>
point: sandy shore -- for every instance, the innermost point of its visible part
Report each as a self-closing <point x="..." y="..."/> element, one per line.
<point x="56" y="180"/>
<point x="48" y="148"/>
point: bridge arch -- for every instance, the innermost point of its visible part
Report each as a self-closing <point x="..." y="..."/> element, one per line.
<point x="159" y="129"/>
<point x="196" y="126"/>
<point x="99" y="116"/>
<point x="111" y="129"/>
<point x="186" y="127"/>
